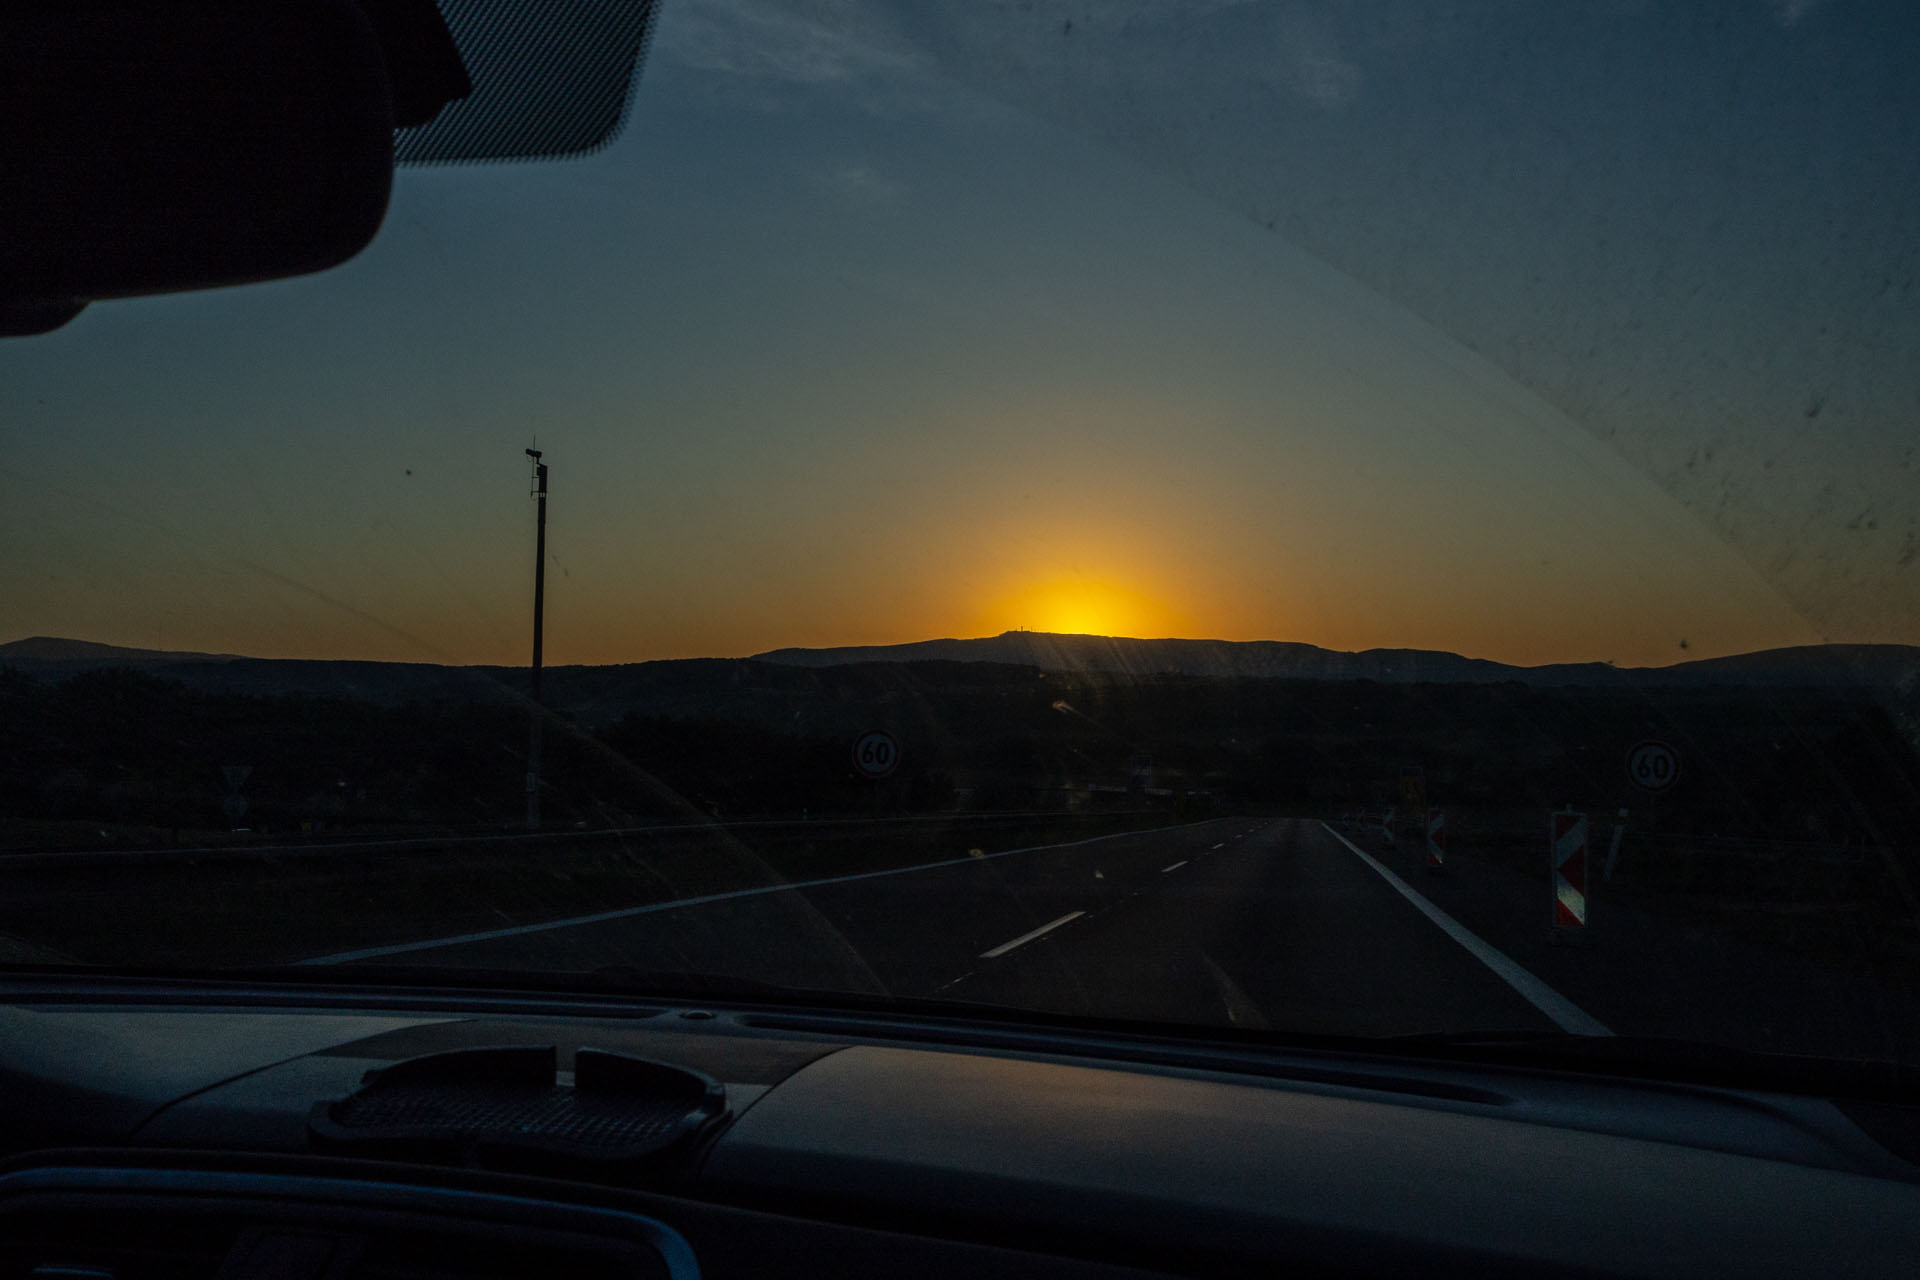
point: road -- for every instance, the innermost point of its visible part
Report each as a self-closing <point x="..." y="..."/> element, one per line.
<point x="1234" y="922"/>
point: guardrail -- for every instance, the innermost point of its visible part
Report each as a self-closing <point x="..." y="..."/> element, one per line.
<point x="29" y="859"/>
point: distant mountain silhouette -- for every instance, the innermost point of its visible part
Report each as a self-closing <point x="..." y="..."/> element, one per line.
<point x="752" y="689"/>
<point x="1119" y="655"/>
<point x="1882" y="664"/>
<point x="40" y="650"/>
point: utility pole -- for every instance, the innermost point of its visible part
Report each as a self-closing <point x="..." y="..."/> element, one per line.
<point x="539" y="607"/>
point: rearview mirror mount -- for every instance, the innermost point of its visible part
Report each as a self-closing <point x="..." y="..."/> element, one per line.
<point x="157" y="147"/>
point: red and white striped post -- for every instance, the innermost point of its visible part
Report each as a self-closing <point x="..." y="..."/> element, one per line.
<point x="1436" y="839"/>
<point x="1567" y="869"/>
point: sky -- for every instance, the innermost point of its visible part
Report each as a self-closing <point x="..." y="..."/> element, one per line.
<point x="1536" y="333"/>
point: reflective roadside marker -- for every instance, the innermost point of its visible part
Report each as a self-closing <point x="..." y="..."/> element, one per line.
<point x="1413" y="798"/>
<point x="1386" y="825"/>
<point x="1613" y="850"/>
<point x="1436" y="838"/>
<point x="1567" y="857"/>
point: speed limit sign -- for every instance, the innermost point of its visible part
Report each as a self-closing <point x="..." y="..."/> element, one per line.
<point x="876" y="754"/>
<point x="1654" y="766"/>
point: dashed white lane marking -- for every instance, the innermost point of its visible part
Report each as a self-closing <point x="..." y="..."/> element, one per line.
<point x="1567" y="1015"/>
<point x="953" y="982"/>
<point x="1025" y="938"/>
<point x="1175" y="867"/>
<point x="1221" y="845"/>
<point x="674" y="904"/>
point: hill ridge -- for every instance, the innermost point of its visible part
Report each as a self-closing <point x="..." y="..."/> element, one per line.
<point x="1113" y="657"/>
<point x="1289" y="659"/>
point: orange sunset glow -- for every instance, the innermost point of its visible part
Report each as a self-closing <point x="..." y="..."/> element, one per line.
<point x="1022" y="383"/>
<point x="1086" y="606"/>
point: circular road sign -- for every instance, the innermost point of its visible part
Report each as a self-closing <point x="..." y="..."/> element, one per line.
<point x="876" y="754"/>
<point x="1653" y="766"/>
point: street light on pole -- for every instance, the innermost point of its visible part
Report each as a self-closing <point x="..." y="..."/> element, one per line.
<point x="539" y="606"/>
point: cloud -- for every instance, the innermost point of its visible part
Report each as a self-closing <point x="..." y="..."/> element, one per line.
<point x="861" y="184"/>
<point x="768" y="54"/>
<point x="1311" y="65"/>
<point x="753" y="42"/>
<point x="1791" y="11"/>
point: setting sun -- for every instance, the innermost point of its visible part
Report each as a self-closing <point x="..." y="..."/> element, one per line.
<point x="1086" y="606"/>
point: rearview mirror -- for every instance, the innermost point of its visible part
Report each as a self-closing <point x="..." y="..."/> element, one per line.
<point x="150" y="148"/>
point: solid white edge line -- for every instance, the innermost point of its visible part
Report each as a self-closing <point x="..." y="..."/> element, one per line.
<point x="1025" y="938"/>
<point x="1175" y="867"/>
<point x="1565" y="1014"/>
<point x="671" y="904"/>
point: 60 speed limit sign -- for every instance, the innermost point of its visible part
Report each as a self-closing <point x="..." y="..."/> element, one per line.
<point x="1654" y="766"/>
<point x="876" y="754"/>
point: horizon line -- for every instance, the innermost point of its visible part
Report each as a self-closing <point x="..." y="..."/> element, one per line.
<point x="199" y="655"/>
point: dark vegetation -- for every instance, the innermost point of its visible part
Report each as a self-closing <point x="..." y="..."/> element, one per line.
<point x="1796" y="820"/>
<point x="118" y="749"/>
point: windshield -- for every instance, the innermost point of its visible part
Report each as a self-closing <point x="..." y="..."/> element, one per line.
<point x="1372" y="520"/>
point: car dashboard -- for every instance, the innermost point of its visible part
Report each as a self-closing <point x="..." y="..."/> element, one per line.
<point x="175" y="1131"/>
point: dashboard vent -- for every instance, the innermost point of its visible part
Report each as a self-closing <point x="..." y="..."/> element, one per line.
<point x="79" y="1244"/>
<point x="136" y="1246"/>
<point x="94" y="1223"/>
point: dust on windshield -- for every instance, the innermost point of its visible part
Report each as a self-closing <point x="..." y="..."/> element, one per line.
<point x="1358" y="520"/>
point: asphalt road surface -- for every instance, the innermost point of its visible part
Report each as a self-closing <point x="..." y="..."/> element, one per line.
<point x="1233" y="922"/>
